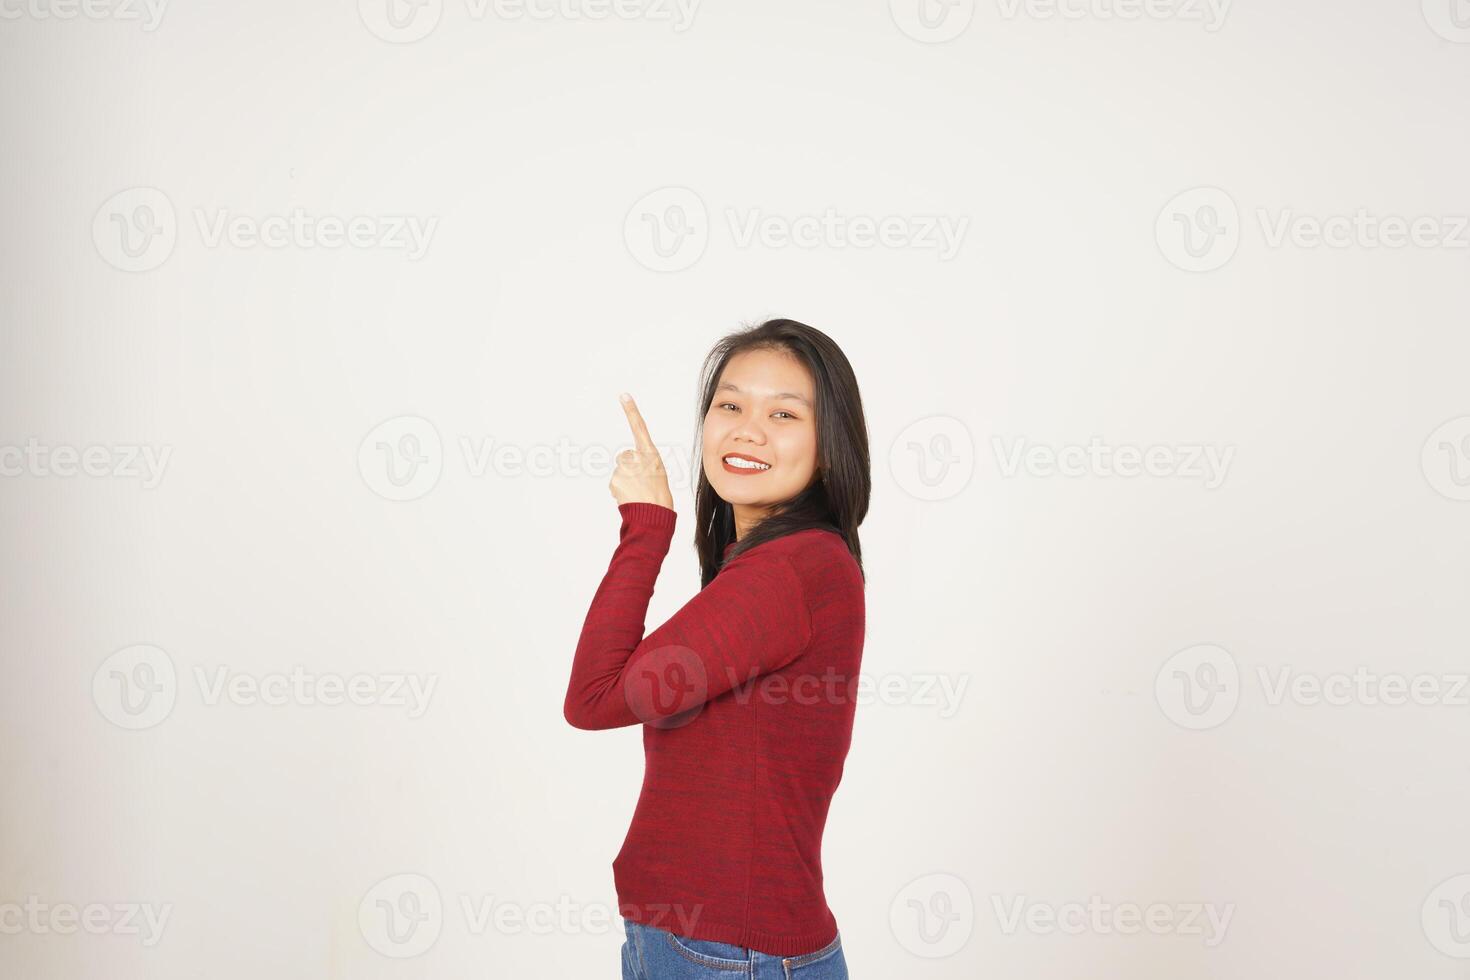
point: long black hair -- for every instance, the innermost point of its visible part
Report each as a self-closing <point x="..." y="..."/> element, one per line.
<point x="837" y="498"/>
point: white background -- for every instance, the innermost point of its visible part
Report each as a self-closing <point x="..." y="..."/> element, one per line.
<point x="1077" y="146"/>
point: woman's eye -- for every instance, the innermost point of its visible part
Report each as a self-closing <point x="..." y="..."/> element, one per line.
<point x="737" y="408"/>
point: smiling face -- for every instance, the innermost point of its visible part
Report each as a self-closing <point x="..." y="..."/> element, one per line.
<point x="763" y="412"/>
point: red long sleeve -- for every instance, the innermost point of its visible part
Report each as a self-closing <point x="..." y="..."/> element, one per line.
<point x="752" y="619"/>
<point x="747" y="699"/>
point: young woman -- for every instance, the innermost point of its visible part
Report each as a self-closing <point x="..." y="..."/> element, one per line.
<point x="746" y="695"/>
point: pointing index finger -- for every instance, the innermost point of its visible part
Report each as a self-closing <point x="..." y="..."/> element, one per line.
<point x="641" y="438"/>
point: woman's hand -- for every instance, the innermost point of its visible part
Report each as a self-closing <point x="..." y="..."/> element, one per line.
<point x="639" y="475"/>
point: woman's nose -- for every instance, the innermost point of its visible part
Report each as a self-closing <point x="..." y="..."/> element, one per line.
<point x="750" y="432"/>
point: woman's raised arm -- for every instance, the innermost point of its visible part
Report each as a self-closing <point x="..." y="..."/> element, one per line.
<point x="750" y="620"/>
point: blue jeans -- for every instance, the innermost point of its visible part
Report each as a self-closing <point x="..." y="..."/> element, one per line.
<point x="651" y="953"/>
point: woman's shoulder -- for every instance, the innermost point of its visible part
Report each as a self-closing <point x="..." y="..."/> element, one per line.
<point x="817" y="552"/>
<point x="808" y="548"/>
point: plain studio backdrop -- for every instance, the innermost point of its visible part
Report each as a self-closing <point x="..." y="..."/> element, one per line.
<point x="315" y="317"/>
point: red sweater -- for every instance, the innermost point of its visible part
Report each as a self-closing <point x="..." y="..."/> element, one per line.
<point x="746" y="696"/>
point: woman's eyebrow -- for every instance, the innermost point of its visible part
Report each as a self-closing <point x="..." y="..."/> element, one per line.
<point x="779" y="394"/>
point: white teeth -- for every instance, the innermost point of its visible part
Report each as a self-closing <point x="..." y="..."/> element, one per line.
<point x="745" y="464"/>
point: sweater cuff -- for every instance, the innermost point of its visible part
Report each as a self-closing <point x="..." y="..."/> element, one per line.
<point x="648" y="515"/>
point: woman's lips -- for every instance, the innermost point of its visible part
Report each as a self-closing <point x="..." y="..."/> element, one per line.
<point x="742" y="471"/>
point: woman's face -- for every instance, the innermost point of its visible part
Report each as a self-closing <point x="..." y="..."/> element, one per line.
<point x="763" y="409"/>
